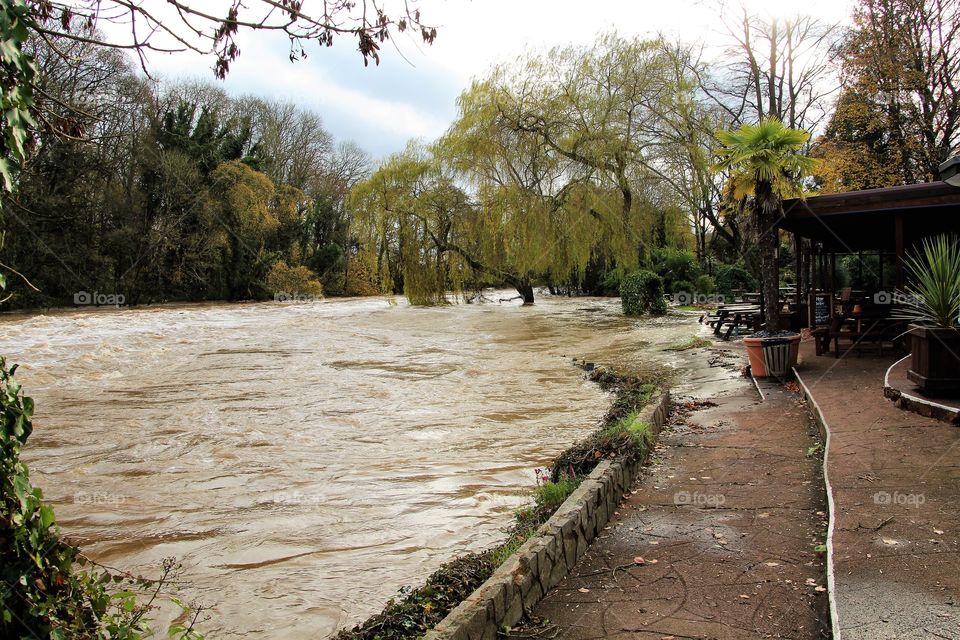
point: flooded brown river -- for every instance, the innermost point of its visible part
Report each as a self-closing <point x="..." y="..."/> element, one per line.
<point x="304" y="461"/>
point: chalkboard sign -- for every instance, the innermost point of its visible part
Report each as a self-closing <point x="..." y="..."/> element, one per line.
<point x="821" y="309"/>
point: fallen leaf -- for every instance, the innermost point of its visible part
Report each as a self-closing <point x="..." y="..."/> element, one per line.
<point x="639" y="560"/>
<point x="818" y="588"/>
<point x="772" y="564"/>
<point x="811" y="581"/>
<point x="583" y="590"/>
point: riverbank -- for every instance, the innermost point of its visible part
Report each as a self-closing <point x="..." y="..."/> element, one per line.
<point x="476" y="594"/>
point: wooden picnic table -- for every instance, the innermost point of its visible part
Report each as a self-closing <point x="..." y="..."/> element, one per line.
<point x="733" y="317"/>
<point x="855" y="332"/>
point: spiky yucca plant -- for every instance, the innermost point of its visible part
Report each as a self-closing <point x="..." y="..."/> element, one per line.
<point x="934" y="289"/>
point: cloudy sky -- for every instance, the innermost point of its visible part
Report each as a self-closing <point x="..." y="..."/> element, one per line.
<point x="413" y="92"/>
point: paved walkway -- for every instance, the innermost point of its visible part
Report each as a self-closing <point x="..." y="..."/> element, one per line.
<point x="717" y="540"/>
<point x="896" y="484"/>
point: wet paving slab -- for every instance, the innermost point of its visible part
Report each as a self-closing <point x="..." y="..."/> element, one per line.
<point x="720" y="537"/>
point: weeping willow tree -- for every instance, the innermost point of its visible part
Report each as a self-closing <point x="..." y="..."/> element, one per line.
<point x="544" y="172"/>
<point x="408" y="218"/>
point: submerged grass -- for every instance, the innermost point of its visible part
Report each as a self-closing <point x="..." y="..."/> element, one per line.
<point x="622" y="435"/>
<point x="694" y="342"/>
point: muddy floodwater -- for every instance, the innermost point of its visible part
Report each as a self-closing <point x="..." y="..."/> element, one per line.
<point x="304" y="461"/>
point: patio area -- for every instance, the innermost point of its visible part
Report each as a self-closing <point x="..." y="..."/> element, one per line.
<point x="894" y="480"/>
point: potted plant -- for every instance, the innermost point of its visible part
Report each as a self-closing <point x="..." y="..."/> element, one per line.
<point x="933" y="307"/>
<point x="765" y="167"/>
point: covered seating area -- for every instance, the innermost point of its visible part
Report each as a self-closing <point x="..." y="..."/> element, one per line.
<point x="849" y="250"/>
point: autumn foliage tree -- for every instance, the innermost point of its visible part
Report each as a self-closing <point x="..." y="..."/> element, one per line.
<point x="899" y="116"/>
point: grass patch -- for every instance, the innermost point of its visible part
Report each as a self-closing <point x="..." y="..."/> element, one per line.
<point x="550" y="495"/>
<point x="639" y="431"/>
<point x="547" y="498"/>
<point x="694" y="342"/>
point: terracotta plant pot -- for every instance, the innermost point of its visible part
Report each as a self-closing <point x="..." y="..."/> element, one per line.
<point x="759" y="355"/>
<point x="935" y="360"/>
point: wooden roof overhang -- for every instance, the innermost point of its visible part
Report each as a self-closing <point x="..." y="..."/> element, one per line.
<point x="875" y="219"/>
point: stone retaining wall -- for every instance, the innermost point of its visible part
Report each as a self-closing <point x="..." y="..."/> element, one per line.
<point x="543" y="560"/>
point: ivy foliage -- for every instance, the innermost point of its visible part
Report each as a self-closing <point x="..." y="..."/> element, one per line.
<point x="17" y="72"/>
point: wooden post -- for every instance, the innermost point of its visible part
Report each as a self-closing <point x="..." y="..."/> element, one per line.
<point x="880" y="262"/>
<point x="798" y="251"/>
<point x="833" y="271"/>
<point x="898" y="222"/>
<point x="860" y="269"/>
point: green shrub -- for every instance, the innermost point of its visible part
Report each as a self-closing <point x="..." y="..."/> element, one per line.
<point x="934" y="271"/>
<point x="681" y="286"/>
<point x="705" y="285"/>
<point x="732" y="277"/>
<point x="284" y="280"/>
<point x="675" y="265"/>
<point x="642" y="292"/>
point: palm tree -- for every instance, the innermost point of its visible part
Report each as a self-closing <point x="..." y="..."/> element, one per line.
<point x="766" y="166"/>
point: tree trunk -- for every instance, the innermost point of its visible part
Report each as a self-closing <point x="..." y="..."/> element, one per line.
<point x="525" y="289"/>
<point x="765" y="218"/>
